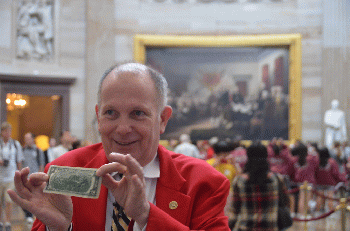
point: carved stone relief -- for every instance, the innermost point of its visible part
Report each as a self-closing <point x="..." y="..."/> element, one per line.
<point x="35" y="32"/>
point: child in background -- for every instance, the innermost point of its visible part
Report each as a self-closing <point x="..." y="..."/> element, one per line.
<point x="327" y="176"/>
<point x="303" y="169"/>
<point x="224" y="163"/>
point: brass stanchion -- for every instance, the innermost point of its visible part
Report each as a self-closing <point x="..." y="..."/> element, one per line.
<point x="305" y="187"/>
<point x="342" y="207"/>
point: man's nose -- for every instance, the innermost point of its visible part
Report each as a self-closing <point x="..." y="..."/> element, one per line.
<point x="124" y="126"/>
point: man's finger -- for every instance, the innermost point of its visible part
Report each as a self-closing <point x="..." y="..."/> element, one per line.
<point x="133" y="166"/>
<point x="24" y="175"/>
<point x="37" y="179"/>
<point x="21" y="189"/>
<point x="110" y="168"/>
<point x="109" y="182"/>
<point x="18" y="200"/>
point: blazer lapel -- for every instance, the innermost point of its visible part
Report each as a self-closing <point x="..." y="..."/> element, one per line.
<point x="168" y="193"/>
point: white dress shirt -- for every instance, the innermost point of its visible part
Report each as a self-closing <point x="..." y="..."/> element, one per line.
<point x="151" y="173"/>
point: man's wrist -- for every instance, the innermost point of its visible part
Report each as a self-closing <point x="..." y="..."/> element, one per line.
<point x="70" y="228"/>
<point x="143" y="218"/>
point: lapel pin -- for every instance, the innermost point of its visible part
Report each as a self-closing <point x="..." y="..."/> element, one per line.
<point x="173" y="205"/>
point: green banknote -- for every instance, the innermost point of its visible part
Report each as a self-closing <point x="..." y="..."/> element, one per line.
<point x="73" y="181"/>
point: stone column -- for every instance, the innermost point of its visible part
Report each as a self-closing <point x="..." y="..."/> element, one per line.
<point x="100" y="53"/>
<point x="336" y="56"/>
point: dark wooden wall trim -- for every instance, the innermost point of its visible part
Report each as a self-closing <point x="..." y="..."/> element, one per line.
<point x="40" y="86"/>
<point x="36" y="79"/>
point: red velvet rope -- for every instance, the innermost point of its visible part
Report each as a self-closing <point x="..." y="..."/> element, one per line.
<point x="326" y="197"/>
<point x="318" y="194"/>
<point x="315" y="218"/>
<point x="293" y="191"/>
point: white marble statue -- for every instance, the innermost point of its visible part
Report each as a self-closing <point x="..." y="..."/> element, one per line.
<point x="334" y="120"/>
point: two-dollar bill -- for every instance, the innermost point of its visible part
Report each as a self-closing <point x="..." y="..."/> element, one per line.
<point x="73" y="181"/>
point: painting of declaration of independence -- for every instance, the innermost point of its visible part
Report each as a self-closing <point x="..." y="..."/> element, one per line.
<point x="236" y="93"/>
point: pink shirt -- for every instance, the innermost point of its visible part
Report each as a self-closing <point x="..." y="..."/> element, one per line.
<point x="307" y="172"/>
<point x="240" y="156"/>
<point x="281" y="163"/>
<point x="329" y="175"/>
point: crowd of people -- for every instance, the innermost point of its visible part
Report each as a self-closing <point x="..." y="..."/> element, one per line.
<point x="322" y="168"/>
<point x="14" y="157"/>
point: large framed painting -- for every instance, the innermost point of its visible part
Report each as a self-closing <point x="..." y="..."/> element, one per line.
<point x="236" y="87"/>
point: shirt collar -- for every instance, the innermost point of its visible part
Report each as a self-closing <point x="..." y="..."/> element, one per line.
<point x="151" y="170"/>
<point x="30" y="146"/>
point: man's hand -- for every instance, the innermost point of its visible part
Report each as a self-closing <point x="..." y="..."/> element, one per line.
<point x="129" y="192"/>
<point x="55" y="211"/>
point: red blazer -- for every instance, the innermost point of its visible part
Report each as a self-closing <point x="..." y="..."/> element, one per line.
<point x="199" y="190"/>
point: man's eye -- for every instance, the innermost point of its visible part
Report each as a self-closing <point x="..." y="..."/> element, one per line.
<point x="139" y="113"/>
<point x="109" y="112"/>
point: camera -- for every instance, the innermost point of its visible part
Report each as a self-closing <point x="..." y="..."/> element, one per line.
<point x="6" y="163"/>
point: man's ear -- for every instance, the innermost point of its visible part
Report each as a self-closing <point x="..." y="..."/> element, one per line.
<point x="165" y="116"/>
<point x="96" y="110"/>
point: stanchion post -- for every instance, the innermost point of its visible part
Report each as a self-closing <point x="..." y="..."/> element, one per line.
<point x="343" y="201"/>
<point x="305" y="189"/>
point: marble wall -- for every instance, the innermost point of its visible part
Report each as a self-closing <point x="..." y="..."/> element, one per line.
<point x="68" y="58"/>
<point x="91" y="35"/>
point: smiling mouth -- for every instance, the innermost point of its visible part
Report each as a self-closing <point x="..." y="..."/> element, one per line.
<point x="125" y="143"/>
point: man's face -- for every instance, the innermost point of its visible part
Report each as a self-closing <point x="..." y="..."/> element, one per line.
<point x="6" y="133"/>
<point x="52" y="142"/>
<point x="28" y="139"/>
<point x="129" y="119"/>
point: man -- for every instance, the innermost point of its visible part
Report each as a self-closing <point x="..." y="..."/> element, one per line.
<point x="48" y="154"/>
<point x="34" y="159"/>
<point x="65" y="146"/>
<point x="159" y="190"/>
<point x="11" y="158"/>
<point x="185" y="147"/>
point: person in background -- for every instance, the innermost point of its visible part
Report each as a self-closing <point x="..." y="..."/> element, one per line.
<point x="171" y="144"/>
<point x="65" y="145"/>
<point x="48" y="153"/>
<point x="303" y="169"/>
<point x="210" y="150"/>
<point x="239" y="153"/>
<point x="255" y="201"/>
<point x="224" y="163"/>
<point x="280" y="157"/>
<point x="346" y="149"/>
<point x="187" y="148"/>
<point x="203" y="146"/>
<point x="337" y="153"/>
<point x="327" y="176"/>
<point x="159" y="189"/>
<point x="34" y="159"/>
<point x="33" y="156"/>
<point x="77" y="144"/>
<point x="11" y="159"/>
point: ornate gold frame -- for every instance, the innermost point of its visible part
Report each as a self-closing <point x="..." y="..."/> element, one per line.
<point x="292" y="41"/>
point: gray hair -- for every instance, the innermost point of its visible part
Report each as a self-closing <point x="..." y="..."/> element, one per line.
<point x="185" y="138"/>
<point x="159" y="81"/>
